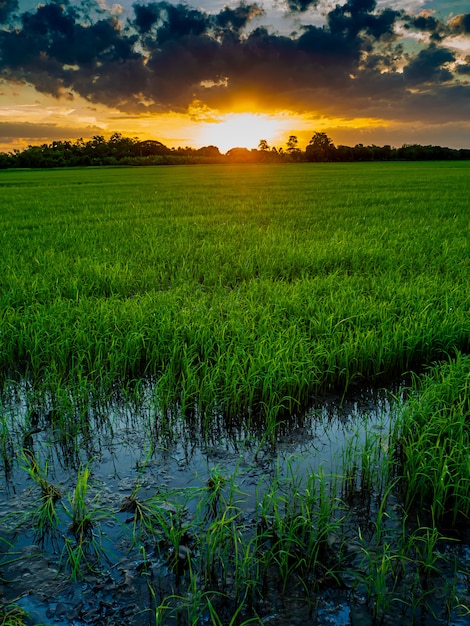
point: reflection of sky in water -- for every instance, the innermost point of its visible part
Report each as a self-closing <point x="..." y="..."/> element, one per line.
<point x="123" y="444"/>
<point x="337" y="614"/>
<point x="126" y="447"/>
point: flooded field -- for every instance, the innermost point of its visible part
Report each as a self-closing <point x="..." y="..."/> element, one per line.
<point x="153" y="523"/>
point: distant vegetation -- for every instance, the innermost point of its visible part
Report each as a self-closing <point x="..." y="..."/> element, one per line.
<point x="119" y="150"/>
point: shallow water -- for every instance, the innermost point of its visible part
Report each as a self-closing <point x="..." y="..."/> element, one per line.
<point x="126" y="446"/>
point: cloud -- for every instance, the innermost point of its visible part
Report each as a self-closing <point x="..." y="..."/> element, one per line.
<point x="238" y="18"/>
<point x="165" y="57"/>
<point x="425" y="23"/>
<point x="438" y="30"/>
<point x="460" y="24"/>
<point x="464" y="68"/>
<point x="12" y="132"/>
<point x="6" y="8"/>
<point x="356" y="16"/>
<point x="427" y="66"/>
<point x="301" y="6"/>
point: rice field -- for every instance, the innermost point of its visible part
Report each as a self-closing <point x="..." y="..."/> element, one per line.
<point x="191" y="320"/>
<point x="233" y="288"/>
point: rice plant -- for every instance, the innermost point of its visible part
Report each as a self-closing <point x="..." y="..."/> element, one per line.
<point x="432" y="440"/>
<point x="153" y="517"/>
<point x="382" y="564"/>
<point x="244" y="297"/>
<point x="44" y="516"/>
<point x="215" y="485"/>
<point x="296" y="525"/>
<point x="13" y="615"/>
<point x="234" y="620"/>
<point x="83" y="551"/>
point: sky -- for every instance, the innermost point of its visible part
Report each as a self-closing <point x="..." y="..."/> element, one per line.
<point x="212" y="72"/>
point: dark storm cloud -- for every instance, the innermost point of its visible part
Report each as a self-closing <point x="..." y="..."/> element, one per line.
<point x="427" y="24"/>
<point x="427" y="66"/>
<point x="438" y="30"/>
<point x="55" y="49"/>
<point x="6" y="8"/>
<point x="389" y="97"/>
<point x="180" y="21"/>
<point x="189" y="50"/>
<point x="356" y="16"/>
<point x="464" y="68"/>
<point x="166" y="56"/>
<point x="146" y="15"/>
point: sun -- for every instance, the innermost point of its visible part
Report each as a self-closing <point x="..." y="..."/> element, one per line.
<point x="239" y="130"/>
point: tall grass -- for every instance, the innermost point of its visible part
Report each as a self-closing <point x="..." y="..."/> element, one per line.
<point x="433" y="441"/>
<point x="232" y="288"/>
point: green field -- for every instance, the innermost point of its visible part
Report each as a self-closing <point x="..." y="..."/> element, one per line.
<point x="170" y="338"/>
<point x="233" y="287"/>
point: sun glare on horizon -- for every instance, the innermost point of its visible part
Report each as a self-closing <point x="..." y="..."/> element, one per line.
<point x="240" y="130"/>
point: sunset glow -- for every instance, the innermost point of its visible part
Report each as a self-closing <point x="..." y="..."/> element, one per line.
<point x="204" y="75"/>
<point x="241" y="130"/>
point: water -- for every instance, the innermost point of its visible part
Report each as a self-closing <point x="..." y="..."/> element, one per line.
<point x="130" y="449"/>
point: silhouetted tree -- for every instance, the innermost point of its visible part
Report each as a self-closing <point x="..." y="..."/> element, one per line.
<point x="121" y="147"/>
<point x="292" y="148"/>
<point x="150" y="148"/>
<point x="362" y="152"/>
<point x="266" y="154"/>
<point x="292" y="144"/>
<point x="130" y="151"/>
<point x="344" y="153"/>
<point x="241" y="155"/>
<point x="209" y="151"/>
<point x="320" y="148"/>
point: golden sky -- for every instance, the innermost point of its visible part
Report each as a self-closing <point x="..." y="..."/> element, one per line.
<point x="230" y="75"/>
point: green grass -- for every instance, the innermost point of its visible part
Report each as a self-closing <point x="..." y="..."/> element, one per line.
<point x="432" y="438"/>
<point x="232" y="287"/>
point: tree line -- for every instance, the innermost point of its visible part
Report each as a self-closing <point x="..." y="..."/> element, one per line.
<point x="120" y="150"/>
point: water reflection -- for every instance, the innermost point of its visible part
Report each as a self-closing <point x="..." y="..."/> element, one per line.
<point x="132" y="450"/>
